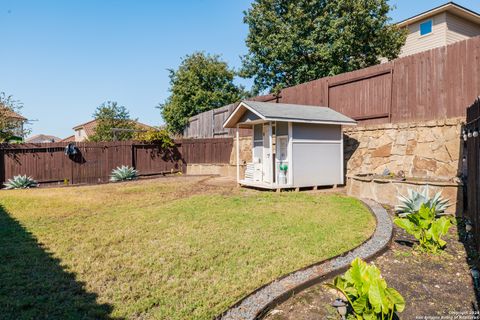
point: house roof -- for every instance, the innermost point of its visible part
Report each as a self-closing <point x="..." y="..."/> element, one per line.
<point x="40" y="138"/>
<point x="451" y="7"/>
<point x="268" y="111"/>
<point x="14" y="115"/>
<point x="89" y="126"/>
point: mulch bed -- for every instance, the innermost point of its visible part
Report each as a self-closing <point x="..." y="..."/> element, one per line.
<point x="432" y="285"/>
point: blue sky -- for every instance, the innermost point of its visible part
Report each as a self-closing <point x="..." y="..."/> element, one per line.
<point x="64" y="58"/>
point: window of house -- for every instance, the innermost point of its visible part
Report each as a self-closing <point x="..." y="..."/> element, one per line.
<point x="426" y="27"/>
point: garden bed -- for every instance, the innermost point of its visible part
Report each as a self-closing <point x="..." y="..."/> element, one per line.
<point x="432" y="285"/>
<point x="171" y="248"/>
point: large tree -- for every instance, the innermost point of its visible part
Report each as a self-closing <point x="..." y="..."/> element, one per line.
<point x="295" y="41"/>
<point x="10" y="125"/>
<point x="201" y="83"/>
<point x="109" y="116"/>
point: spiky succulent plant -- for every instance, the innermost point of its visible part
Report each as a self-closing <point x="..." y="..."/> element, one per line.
<point x="414" y="200"/>
<point x="20" y="182"/>
<point x="123" y="173"/>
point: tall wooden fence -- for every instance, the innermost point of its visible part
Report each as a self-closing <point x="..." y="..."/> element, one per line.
<point x="473" y="168"/>
<point x="47" y="163"/>
<point x="435" y="84"/>
<point x="209" y="124"/>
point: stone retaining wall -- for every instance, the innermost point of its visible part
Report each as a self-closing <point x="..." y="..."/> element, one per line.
<point x="427" y="150"/>
<point x="385" y="191"/>
<point x="423" y="150"/>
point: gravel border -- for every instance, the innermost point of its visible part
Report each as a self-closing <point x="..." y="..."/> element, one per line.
<point x="258" y="303"/>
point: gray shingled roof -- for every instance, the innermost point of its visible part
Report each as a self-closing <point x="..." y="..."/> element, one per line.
<point x="296" y="113"/>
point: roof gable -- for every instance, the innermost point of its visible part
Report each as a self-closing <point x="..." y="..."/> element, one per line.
<point x="451" y="7"/>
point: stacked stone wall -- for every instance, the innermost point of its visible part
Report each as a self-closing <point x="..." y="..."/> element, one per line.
<point x="431" y="150"/>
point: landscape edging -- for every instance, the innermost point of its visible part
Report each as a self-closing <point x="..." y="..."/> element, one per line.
<point x="256" y="304"/>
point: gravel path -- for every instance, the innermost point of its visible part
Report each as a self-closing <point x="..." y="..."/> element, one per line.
<point x="257" y="303"/>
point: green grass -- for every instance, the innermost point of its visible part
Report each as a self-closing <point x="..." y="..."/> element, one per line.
<point x="160" y="249"/>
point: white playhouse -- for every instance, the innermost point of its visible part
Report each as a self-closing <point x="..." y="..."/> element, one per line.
<point x="293" y="146"/>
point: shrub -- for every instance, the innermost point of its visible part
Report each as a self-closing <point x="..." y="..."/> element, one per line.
<point x="414" y="200"/>
<point x="21" y="182"/>
<point x="157" y="136"/>
<point x="367" y="292"/>
<point x="426" y="227"/>
<point x="123" y="173"/>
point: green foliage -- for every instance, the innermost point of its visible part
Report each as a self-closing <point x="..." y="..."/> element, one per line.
<point x="160" y="137"/>
<point x="123" y="173"/>
<point x="367" y="292"/>
<point x="295" y="41"/>
<point x="20" y="182"/>
<point x="11" y="129"/>
<point x="110" y="115"/>
<point x="426" y="228"/>
<point x="414" y="200"/>
<point x="201" y="83"/>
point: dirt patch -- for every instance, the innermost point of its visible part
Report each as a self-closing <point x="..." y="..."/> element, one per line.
<point x="432" y="285"/>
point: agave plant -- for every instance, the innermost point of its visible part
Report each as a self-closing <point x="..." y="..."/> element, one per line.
<point x="123" y="173"/>
<point x="20" y="182"/>
<point x="414" y="200"/>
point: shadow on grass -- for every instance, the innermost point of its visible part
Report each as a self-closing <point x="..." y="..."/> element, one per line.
<point x="33" y="285"/>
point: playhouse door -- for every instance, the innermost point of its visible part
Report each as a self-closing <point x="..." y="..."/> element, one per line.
<point x="267" y="155"/>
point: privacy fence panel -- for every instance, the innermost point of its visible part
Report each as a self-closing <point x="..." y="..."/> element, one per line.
<point x="209" y="124"/>
<point x="207" y="150"/>
<point x="435" y="84"/>
<point x="47" y="163"/>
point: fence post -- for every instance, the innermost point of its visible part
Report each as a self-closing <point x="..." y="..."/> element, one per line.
<point x="132" y="154"/>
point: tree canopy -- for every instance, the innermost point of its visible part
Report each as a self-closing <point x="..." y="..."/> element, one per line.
<point x="10" y="126"/>
<point x="110" y="115"/>
<point x="295" y="41"/>
<point x="202" y="82"/>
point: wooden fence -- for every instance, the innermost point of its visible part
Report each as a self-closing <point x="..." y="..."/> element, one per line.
<point x="209" y="124"/>
<point x="435" y="84"/>
<point x="47" y="163"/>
<point x="473" y="169"/>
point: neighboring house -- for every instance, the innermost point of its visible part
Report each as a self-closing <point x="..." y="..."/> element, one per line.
<point x="69" y="139"/>
<point x="42" y="138"/>
<point x="20" y="122"/>
<point x="85" y="130"/>
<point x="439" y="27"/>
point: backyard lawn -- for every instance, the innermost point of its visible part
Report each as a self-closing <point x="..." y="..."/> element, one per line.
<point x="172" y="248"/>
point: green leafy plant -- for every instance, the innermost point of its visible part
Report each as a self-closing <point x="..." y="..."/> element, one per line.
<point x="21" y="182"/>
<point x="367" y="292"/>
<point x="414" y="200"/>
<point x="426" y="227"/>
<point x="123" y="173"/>
<point x="156" y="136"/>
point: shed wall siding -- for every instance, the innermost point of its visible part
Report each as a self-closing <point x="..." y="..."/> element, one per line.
<point x="316" y="164"/>
<point x="416" y="43"/>
<point x="460" y="29"/>
<point x="307" y="131"/>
